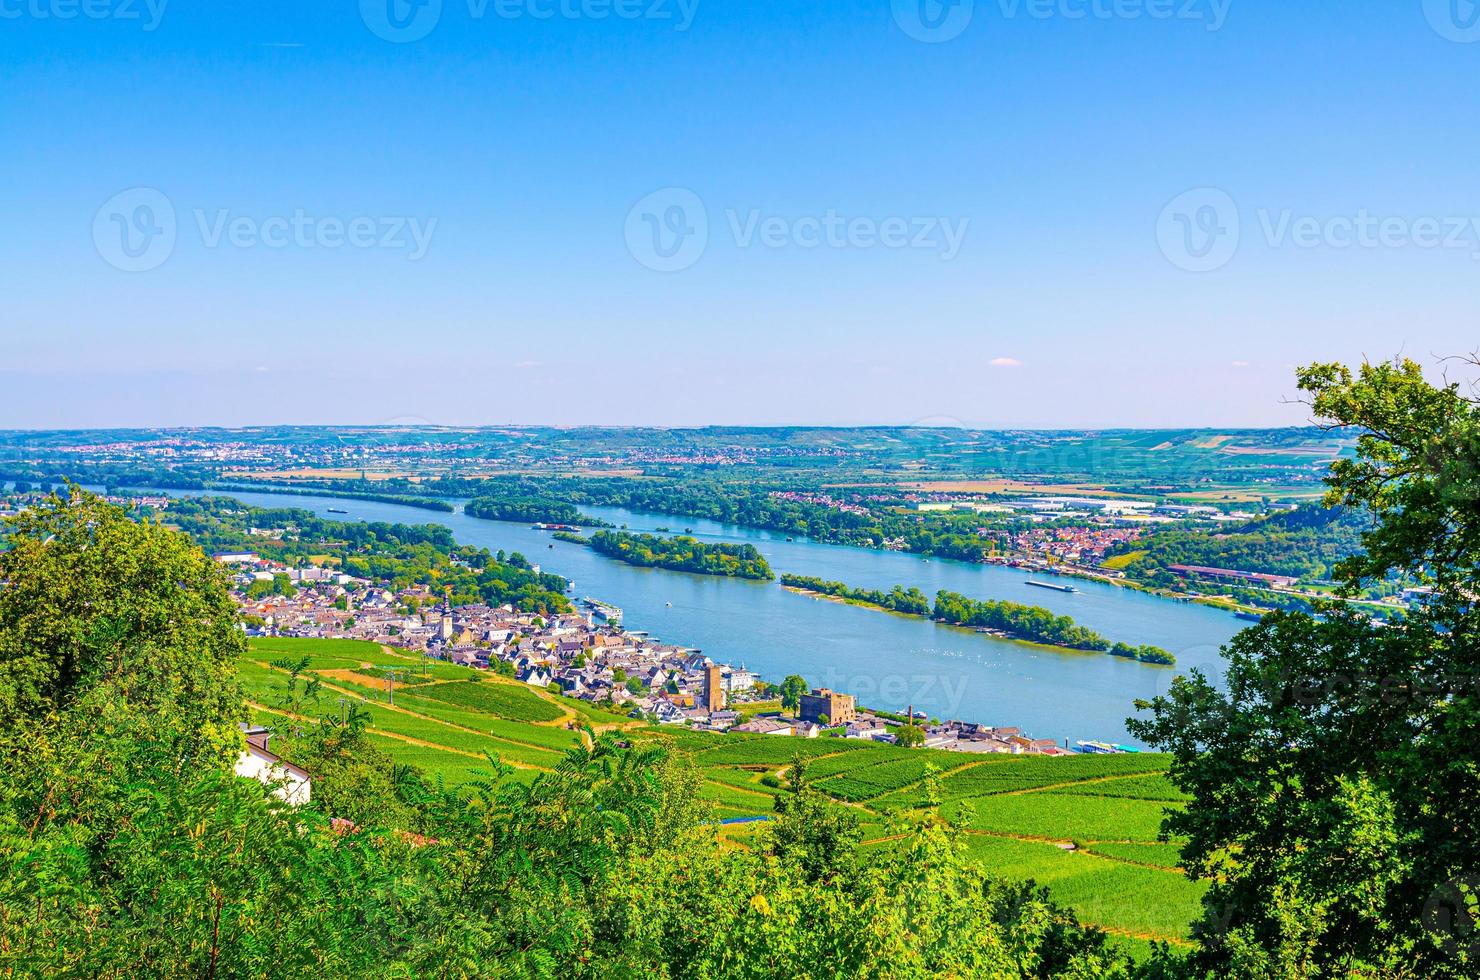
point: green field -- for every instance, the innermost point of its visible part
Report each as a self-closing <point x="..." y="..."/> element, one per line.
<point x="355" y="651"/>
<point x="502" y="700"/>
<point x="1084" y="826"/>
<point x="866" y="782"/>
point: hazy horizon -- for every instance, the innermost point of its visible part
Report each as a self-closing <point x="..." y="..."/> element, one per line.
<point x="534" y="426"/>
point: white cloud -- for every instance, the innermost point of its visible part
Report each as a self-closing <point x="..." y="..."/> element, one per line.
<point x="1010" y="362"/>
<point x="1240" y="364"/>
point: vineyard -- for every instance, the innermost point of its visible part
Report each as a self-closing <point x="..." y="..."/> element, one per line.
<point x="1086" y="827"/>
<point x="502" y="700"/>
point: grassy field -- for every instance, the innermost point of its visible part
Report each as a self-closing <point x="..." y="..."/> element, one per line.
<point x="1120" y="562"/>
<point x="1086" y="827"/>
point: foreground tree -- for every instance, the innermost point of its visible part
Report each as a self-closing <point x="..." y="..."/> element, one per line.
<point x="921" y="909"/>
<point x="86" y="587"/>
<point x="127" y="845"/>
<point x="1336" y="782"/>
<point x="810" y="831"/>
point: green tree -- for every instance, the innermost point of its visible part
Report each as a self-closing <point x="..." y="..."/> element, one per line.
<point x="917" y="909"/>
<point x="85" y="587"/>
<point x="792" y="689"/>
<point x="127" y="844"/>
<point x="910" y="736"/>
<point x="353" y="778"/>
<point x="1334" y="808"/>
<point x="300" y="690"/>
<point x="810" y="830"/>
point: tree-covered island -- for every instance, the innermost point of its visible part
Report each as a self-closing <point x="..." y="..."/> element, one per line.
<point x="683" y="554"/>
<point x="1034" y="624"/>
<point x="534" y="510"/>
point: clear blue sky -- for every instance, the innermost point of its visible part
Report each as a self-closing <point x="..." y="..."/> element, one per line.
<point x="521" y="146"/>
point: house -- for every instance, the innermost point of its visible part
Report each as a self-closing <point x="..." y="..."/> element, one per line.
<point x="536" y="677"/>
<point x="668" y="713"/>
<point x="292" y="784"/>
<point x="991" y="745"/>
<point x="865" y="729"/>
<point x="806" y="729"/>
<point x="723" y="720"/>
<point x="469" y="657"/>
<point x="764" y="726"/>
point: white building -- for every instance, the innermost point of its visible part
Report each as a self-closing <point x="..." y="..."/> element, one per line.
<point x="256" y="762"/>
<point x="738" y="680"/>
<point x="536" y="677"/>
<point x="865" y="729"/>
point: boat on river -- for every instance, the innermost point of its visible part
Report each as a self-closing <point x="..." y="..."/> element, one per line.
<point x="603" y="611"/>
<point x="1052" y="585"/>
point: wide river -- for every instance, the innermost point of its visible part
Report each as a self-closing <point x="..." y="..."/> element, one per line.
<point x="887" y="661"/>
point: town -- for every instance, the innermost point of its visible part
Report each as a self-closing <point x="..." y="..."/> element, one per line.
<point x="590" y="657"/>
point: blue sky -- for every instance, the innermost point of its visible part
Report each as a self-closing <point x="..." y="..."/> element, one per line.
<point x="1046" y="213"/>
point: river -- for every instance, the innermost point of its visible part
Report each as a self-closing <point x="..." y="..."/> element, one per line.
<point x="887" y="661"/>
